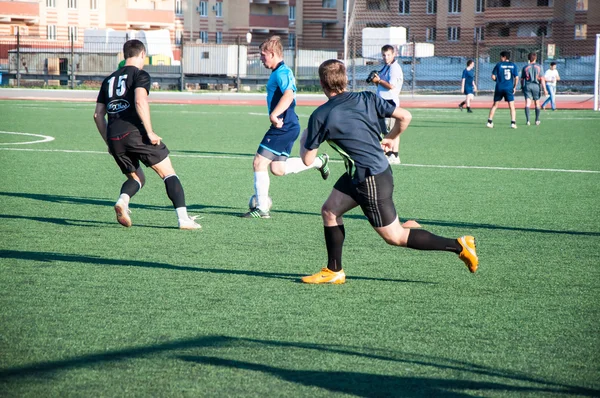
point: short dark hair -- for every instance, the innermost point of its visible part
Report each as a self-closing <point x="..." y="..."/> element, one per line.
<point x="469" y="62"/>
<point x="552" y="63"/>
<point x="332" y="74"/>
<point x="133" y="48"/>
<point x="505" y="54"/>
<point x="532" y="57"/>
<point x="387" y="47"/>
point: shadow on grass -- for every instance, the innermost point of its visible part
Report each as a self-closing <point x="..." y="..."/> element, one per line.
<point x="51" y="257"/>
<point x="213" y="154"/>
<point x="236" y="212"/>
<point x="468" y="375"/>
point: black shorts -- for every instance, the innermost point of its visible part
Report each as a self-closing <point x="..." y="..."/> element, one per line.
<point x="134" y="147"/>
<point x="374" y="195"/>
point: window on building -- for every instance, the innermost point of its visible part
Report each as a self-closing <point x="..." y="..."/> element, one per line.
<point x="323" y="30"/>
<point x="178" y="7"/>
<point x="431" y="6"/>
<point x="219" y="37"/>
<point x="219" y="9"/>
<point x="498" y="3"/>
<point x="504" y="31"/>
<point x="73" y="33"/>
<point x="478" y="33"/>
<point x="178" y="37"/>
<point x="329" y="3"/>
<point x="479" y="5"/>
<point x="454" y="33"/>
<point x="203" y="9"/>
<point x="430" y="34"/>
<point x="454" y="6"/>
<point x="93" y="4"/>
<point x="381" y="5"/>
<point x="51" y="32"/>
<point x="71" y="3"/>
<point x="269" y="10"/>
<point x="51" y="3"/>
<point x="203" y="36"/>
<point x="404" y="7"/>
<point x="544" y="3"/>
<point x="292" y="40"/>
<point x="293" y="13"/>
<point x="582" y="5"/>
<point x="580" y="31"/>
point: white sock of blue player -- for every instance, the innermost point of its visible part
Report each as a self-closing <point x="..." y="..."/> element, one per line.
<point x="296" y="165"/>
<point x="261" y="189"/>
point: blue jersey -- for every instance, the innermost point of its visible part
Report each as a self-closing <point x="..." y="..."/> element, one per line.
<point x="469" y="76"/>
<point x="349" y="122"/>
<point x="505" y="73"/>
<point x="282" y="79"/>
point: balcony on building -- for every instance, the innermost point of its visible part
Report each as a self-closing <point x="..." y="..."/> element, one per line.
<point x="149" y="19"/>
<point x="277" y="2"/>
<point x="269" y="23"/>
<point x="526" y="11"/>
<point x="19" y="11"/>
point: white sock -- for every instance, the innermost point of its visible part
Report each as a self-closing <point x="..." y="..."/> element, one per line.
<point x="296" y="165"/>
<point x="261" y="188"/>
<point x="182" y="213"/>
<point x="124" y="198"/>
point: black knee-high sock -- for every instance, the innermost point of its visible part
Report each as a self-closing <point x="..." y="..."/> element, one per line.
<point x="175" y="191"/>
<point x="130" y="187"/>
<point x="422" y="240"/>
<point x="537" y="114"/>
<point x="527" y="113"/>
<point x="334" y="240"/>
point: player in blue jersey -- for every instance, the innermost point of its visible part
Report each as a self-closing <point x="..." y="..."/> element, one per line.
<point x="506" y="76"/>
<point x="468" y="86"/>
<point x="531" y="80"/>
<point x="274" y="150"/>
<point x="348" y="121"/>
<point x="130" y="137"/>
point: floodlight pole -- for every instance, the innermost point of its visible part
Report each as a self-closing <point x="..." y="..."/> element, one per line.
<point x="237" y="83"/>
<point x="346" y="31"/>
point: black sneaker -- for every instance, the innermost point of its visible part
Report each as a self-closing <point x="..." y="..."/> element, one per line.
<point x="256" y="213"/>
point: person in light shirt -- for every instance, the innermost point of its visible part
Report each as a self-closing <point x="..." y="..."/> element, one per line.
<point x="551" y="77"/>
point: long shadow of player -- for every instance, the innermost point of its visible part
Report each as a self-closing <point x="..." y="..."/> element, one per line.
<point x="47" y="257"/>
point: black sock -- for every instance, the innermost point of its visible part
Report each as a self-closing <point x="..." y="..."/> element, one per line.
<point x="489" y="120"/>
<point x="395" y="154"/>
<point x="537" y="114"/>
<point x="388" y="153"/>
<point x="468" y="108"/>
<point x="527" y="113"/>
<point x="334" y="240"/>
<point x="420" y="239"/>
<point x="175" y="191"/>
<point x="130" y="187"/>
<point x="462" y="103"/>
<point x="513" y="122"/>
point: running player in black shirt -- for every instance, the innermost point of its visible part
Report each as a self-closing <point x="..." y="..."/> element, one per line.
<point x="348" y="121"/>
<point x="130" y="137"/>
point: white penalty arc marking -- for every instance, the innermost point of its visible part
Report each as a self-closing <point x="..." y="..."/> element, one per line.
<point x="439" y="166"/>
<point x="44" y="138"/>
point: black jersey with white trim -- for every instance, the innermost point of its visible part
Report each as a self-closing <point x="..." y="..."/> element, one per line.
<point x="118" y="95"/>
<point x="349" y="122"/>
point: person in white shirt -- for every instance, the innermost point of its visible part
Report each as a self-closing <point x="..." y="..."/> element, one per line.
<point x="551" y="76"/>
<point x="389" y="83"/>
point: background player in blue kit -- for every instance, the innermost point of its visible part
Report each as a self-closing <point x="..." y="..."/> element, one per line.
<point x="506" y="76"/>
<point x="276" y="146"/>
<point x="531" y="80"/>
<point x="468" y="86"/>
<point x="130" y="137"/>
<point x="348" y="121"/>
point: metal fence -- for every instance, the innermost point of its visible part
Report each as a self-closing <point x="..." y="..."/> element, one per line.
<point x="33" y="61"/>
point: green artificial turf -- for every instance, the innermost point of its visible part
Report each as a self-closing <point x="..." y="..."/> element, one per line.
<point x="89" y="308"/>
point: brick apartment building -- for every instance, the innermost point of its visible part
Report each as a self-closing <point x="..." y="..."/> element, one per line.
<point x="451" y="25"/>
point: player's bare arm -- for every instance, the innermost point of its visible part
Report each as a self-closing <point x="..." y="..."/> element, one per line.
<point x="284" y="103"/>
<point x="403" y="118"/>
<point x="308" y="156"/>
<point x="143" y="110"/>
<point x="100" y="120"/>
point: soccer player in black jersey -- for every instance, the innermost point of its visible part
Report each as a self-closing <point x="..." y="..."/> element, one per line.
<point x="348" y="121"/>
<point x="130" y="137"/>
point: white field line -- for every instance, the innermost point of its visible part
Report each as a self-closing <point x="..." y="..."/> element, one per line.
<point x="334" y="161"/>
